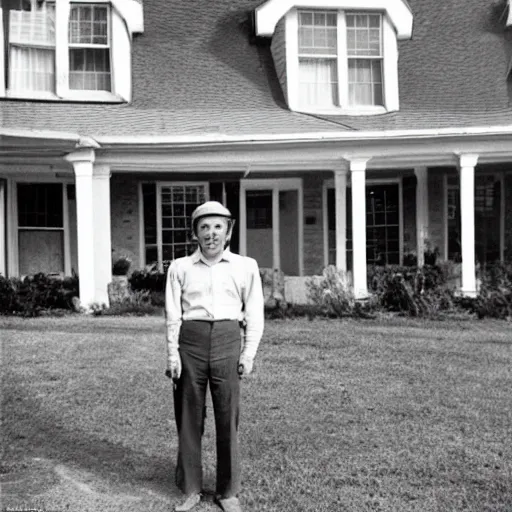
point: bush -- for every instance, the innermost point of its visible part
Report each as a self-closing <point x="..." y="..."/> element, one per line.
<point x="34" y="294"/>
<point x="150" y="279"/>
<point x="411" y="290"/>
<point x="137" y="303"/>
<point x="494" y="299"/>
<point x="121" y="266"/>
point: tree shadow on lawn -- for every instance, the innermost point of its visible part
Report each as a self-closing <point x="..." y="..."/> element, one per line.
<point x="30" y="433"/>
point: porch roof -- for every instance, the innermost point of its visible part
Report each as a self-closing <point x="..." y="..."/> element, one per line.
<point x="196" y="72"/>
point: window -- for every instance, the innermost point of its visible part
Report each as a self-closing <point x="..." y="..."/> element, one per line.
<point x="345" y="72"/>
<point x="85" y="59"/>
<point x="167" y="209"/>
<point x="31" y="42"/>
<point x="382" y="225"/>
<point x="89" y="48"/>
<point x="40" y="228"/>
<point x="259" y="209"/>
<point x="488" y="219"/>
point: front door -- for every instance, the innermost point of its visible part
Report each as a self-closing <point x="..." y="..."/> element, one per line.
<point x="271" y="223"/>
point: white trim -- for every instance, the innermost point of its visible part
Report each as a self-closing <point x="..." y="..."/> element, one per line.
<point x="276" y="230"/>
<point x="12" y="220"/>
<point x="140" y="141"/>
<point x="269" y="13"/>
<point x="12" y="228"/>
<point x="65" y="221"/>
<point x="401" y="220"/>
<point x="503" y="215"/>
<point x="142" y="241"/>
<point x="275" y="185"/>
<point x="389" y="57"/>
<point x="325" y="222"/>
<point x="445" y="215"/>
<point x="3" y="215"/>
<point x="125" y="17"/>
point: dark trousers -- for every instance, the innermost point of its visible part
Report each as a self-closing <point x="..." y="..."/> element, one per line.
<point x="209" y="355"/>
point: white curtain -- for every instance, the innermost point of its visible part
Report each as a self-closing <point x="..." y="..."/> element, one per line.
<point x="31" y="69"/>
<point x="32" y="50"/>
<point x="318" y="80"/>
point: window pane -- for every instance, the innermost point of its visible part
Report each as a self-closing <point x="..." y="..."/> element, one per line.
<point x="89" y="69"/>
<point x="318" y="80"/>
<point x="317" y="33"/>
<point x="361" y="39"/>
<point x="178" y="202"/>
<point x="365" y="82"/>
<point x="88" y="24"/>
<point x="40" y="205"/>
<point x="31" y="69"/>
<point x="259" y="209"/>
<point x="33" y="27"/>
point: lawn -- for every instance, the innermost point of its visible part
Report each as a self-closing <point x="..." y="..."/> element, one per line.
<point x="373" y="415"/>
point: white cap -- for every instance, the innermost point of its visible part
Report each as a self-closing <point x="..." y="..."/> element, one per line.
<point x="209" y="208"/>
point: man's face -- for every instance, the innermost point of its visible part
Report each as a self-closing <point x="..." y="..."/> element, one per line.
<point x="212" y="233"/>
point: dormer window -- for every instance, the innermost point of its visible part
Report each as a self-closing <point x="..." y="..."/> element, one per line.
<point x="336" y="57"/>
<point x="68" y="50"/>
<point x="340" y="67"/>
<point x="89" y="47"/>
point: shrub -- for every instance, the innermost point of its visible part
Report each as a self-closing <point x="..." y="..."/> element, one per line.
<point x="34" y="294"/>
<point x="149" y="279"/>
<point x="121" y="266"/>
<point x="411" y="290"/>
<point x="494" y="299"/>
<point x="137" y="303"/>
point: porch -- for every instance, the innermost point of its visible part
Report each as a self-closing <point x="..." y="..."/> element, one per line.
<point x="81" y="214"/>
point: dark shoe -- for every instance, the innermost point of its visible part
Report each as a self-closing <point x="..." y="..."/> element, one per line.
<point x="229" y="504"/>
<point x="190" y="502"/>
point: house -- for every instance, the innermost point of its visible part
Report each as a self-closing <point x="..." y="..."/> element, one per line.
<point x="346" y="132"/>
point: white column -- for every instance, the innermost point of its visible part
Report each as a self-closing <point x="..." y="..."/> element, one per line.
<point x="276" y="240"/>
<point x="358" y="180"/>
<point x="3" y="249"/>
<point x="421" y="212"/>
<point x="467" y="218"/>
<point x="102" y="237"/>
<point x="93" y="227"/>
<point x="340" y="201"/>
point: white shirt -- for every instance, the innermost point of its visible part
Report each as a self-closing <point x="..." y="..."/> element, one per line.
<point x="229" y="289"/>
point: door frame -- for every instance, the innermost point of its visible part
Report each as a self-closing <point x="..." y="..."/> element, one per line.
<point x="276" y="185"/>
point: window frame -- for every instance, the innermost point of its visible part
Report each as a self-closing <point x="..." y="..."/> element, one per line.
<point x="126" y="19"/>
<point x="142" y="225"/>
<point x="71" y="46"/>
<point x="389" y="52"/>
<point x="371" y="182"/>
<point x="499" y="176"/>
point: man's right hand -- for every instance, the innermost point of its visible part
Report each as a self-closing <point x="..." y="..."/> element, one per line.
<point x="174" y="368"/>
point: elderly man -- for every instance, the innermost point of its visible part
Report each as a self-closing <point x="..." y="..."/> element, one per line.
<point x="209" y="296"/>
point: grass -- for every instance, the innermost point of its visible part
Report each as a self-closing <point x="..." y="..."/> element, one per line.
<point x="387" y="415"/>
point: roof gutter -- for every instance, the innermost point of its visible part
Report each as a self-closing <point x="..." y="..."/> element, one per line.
<point x="49" y="135"/>
<point x="335" y="136"/>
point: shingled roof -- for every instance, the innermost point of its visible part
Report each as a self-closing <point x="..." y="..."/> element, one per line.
<point x="195" y="71"/>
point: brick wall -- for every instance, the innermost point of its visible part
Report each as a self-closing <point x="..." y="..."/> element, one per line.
<point x="436" y="209"/>
<point x="124" y="214"/>
<point x="409" y="205"/>
<point x="508" y="217"/>
<point x="313" y="233"/>
<point x="278" y="48"/>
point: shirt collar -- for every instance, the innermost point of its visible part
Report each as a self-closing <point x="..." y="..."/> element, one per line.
<point x="197" y="256"/>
